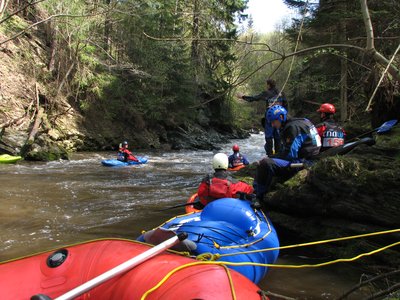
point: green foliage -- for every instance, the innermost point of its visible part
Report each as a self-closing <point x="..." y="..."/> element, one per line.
<point x="13" y="25"/>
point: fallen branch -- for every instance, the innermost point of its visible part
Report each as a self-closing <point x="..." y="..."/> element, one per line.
<point x="38" y="119"/>
<point x="386" y="292"/>
<point x="381" y="79"/>
<point x="361" y="284"/>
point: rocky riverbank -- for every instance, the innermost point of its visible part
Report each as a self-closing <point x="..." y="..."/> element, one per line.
<point x="342" y="196"/>
<point x="41" y="119"/>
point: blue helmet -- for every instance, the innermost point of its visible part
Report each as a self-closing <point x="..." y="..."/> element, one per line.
<point x="125" y="143"/>
<point x="277" y="112"/>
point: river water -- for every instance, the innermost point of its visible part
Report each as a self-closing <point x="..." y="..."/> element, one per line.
<point x="47" y="205"/>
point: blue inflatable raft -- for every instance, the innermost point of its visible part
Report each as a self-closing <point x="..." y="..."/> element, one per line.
<point x="225" y="226"/>
<point x="118" y="163"/>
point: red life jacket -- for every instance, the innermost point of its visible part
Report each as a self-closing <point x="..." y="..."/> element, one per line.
<point x="219" y="188"/>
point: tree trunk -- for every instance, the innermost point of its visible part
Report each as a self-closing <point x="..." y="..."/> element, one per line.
<point x="195" y="35"/>
<point x="343" y="69"/>
<point x="343" y="91"/>
<point x="107" y="30"/>
<point x="379" y="58"/>
<point x="3" y="6"/>
<point x="53" y="47"/>
<point x="369" y="30"/>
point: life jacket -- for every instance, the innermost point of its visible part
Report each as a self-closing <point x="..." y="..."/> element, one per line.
<point x="300" y="140"/>
<point x="213" y="188"/>
<point x="332" y="135"/>
<point x="121" y="155"/>
<point x="219" y="188"/>
<point x="237" y="160"/>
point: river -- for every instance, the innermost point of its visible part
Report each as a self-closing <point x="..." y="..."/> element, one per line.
<point x="48" y="205"/>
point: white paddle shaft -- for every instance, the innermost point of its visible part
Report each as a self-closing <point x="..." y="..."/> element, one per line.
<point x="297" y="165"/>
<point x="119" y="269"/>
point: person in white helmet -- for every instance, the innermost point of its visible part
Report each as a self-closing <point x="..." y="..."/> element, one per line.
<point x="220" y="185"/>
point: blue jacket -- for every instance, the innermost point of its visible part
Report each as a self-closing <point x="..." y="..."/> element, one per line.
<point x="300" y="140"/>
<point x="237" y="159"/>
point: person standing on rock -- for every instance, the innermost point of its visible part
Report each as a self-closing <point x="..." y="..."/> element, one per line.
<point x="301" y="143"/>
<point x="237" y="159"/>
<point x="220" y="185"/>
<point x="124" y="154"/>
<point x="332" y="135"/>
<point x="271" y="96"/>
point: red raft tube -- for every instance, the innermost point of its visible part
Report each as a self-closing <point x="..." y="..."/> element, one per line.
<point x="55" y="273"/>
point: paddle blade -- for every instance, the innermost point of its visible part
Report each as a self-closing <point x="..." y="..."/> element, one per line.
<point x="386" y="126"/>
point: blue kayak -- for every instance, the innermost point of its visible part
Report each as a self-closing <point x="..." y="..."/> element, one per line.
<point x="118" y="163"/>
<point x="225" y="226"/>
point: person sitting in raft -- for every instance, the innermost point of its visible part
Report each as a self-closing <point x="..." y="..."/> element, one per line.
<point x="301" y="143"/>
<point x="220" y="185"/>
<point x="332" y="135"/>
<point x="237" y="159"/>
<point x="124" y="154"/>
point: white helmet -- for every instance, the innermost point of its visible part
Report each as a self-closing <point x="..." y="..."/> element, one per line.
<point x="220" y="161"/>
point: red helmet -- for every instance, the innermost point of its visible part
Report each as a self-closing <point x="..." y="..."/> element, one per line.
<point x="327" y="108"/>
<point x="235" y="148"/>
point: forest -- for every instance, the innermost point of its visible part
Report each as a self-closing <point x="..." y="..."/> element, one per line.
<point x="157" y="72"/>
<point x="79" y="77"/>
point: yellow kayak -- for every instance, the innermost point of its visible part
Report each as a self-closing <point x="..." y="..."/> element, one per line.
<point x="9" y="159"/>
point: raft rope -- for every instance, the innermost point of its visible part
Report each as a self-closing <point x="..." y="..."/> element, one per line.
<point x="177" y="269"/>
<point x="264" y="218"/>
<point x="222" y="263"/>
<point x="217" y="256"/>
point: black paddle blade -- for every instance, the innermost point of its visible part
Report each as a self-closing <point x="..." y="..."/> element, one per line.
<point x="346" y="148"/>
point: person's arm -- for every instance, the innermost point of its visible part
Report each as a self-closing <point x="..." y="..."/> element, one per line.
<point x="230" y="161"/>
<point x="245" y="161"/>
<point x="258" y="97"/>
<point x="241" y="187"/>
<point x="293" y="140"/>
<point x="321" y="129"/>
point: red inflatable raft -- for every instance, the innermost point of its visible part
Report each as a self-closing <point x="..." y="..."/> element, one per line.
<point x="23" y="278"/>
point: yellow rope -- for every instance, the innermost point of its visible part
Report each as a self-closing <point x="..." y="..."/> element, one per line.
<point x="228" y="273"/>
<point x="177" y="269"/>
<point x="222" y="263"/>
<point x="314" y="243"/>
<point x="308" y="266"/>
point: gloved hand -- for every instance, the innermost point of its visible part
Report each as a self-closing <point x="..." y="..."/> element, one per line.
<point x="256" y="204"/>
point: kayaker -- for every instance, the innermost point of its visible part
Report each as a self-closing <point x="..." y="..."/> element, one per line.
<point x="332" y="135"/>
<point x="124" y="154"/>
<point x="237" y="159"/>
<point x="220" y="185"/>
<point x="272" y="96"/>
<point x="301" y="143"/>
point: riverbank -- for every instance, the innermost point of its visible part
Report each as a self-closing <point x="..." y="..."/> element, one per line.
<point x="47" y="112"/>
<point x="342" y="196"/>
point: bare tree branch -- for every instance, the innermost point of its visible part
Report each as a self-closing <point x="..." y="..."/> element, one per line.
<point x="19" y="10"/>
<point x="48" y="19"/>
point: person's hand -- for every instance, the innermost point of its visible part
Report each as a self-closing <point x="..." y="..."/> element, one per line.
<point x="240" y="95"/>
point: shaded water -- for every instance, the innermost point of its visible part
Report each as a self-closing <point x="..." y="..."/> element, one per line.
<point x="46" y="205"/>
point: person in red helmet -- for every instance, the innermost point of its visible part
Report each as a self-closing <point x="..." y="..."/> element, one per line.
<point x="124" y="154"/>
<point x="332" y="135"/>
<point x="237" y="159"/>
